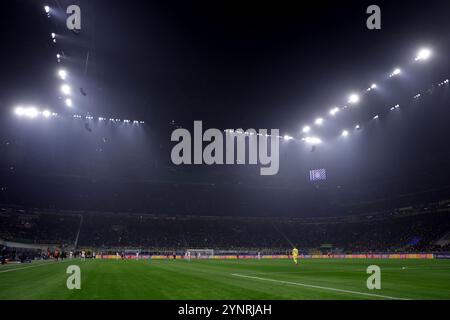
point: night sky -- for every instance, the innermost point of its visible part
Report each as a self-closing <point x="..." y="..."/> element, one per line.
<point x="232" y="65"/>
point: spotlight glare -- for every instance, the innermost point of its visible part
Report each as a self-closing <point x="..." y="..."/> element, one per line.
<point x="423" y="54"/>
<point x="357" y="127"/>
<point x="65" y="89"/>
<point x="46" y="113"/>
<point x="396" y="72"/>
<point x="334" y="111"/>
<point x="287" y="138"/>
<point x="62" y="74"/>
<point x="53" y="35"/>
<point x="306" y="129"/>
<point x="376" y="117"/>
<point x="31" y="112"/>
<point x="354" y="98"/>
<point x="69" y="102"/>
<point x="47" y="9"/>
<point x="345" y="133"/>
<point x="319" y="121"/>
<point x="19" y="111"/>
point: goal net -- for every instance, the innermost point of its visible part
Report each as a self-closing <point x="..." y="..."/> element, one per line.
<point x="199" y="254"/>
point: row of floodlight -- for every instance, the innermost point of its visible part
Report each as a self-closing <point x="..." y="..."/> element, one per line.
<point x="445" y="82"/>
<point x="65" y="88"/>
<point x="353" y="99"/>
<point x="103" y="119"/>
<point x="314" y="140"/>
<point x="33" y="112"/>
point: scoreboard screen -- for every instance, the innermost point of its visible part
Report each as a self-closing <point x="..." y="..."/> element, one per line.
<point x="318" y="175"/>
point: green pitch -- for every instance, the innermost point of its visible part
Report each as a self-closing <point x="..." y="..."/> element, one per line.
<point x="230" y="279"/>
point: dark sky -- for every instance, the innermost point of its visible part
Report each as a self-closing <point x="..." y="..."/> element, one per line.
<point x="231" y="64"/>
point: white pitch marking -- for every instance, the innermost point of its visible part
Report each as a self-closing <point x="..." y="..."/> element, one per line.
<point x="319" y="287"/>
<point x="33" y="266"/>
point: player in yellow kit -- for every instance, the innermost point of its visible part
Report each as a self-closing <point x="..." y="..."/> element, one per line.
<point x="295" y="255"/>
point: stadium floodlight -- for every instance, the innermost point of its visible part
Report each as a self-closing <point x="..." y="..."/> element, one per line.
<point x="372" y="87"/>
<point x="31" y="112"/>
<point x="306" y="129"/>
<point x="319" y="121"/>
<point x="19" y="111"/>
<point x="396" y="72"/>
<point x="65" y="89"/>
<point x="334" y="111"/>
<point x="287" y="138"/>
<point x="46" y="114"/>
<point x="142" y="122"/>
<point x="53" y="35"/>
<point x="47" y="9"/>
<point x="69" y="102"/>
<point x="423" y="54"/>
<point x="353" y="98"/>
<point x="312" y="140"/>
<point x="376" y="117"/>
<point x="357" y="127"/>
<point x="345" y="133"/>
<point x="62" y="74"/>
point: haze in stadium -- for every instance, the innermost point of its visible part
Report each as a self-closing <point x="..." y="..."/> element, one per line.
<point x="220" y="150"/>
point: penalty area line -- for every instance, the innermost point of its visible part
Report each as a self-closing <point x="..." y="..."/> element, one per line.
<point x="29" y="267"/>
<point x="319" y="287"/>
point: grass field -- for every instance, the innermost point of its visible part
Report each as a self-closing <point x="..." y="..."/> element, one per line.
<point x="227" y="280"/>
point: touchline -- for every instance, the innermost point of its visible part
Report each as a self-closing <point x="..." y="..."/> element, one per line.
<point x="227" y="148"/>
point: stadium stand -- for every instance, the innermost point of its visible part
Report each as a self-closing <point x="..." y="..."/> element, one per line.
<point x="410" y="229"/>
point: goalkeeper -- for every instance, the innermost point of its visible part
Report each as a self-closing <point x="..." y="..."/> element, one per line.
<point x="295" y="255"/>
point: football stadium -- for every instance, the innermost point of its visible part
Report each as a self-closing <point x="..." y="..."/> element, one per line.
<point x="221" y="151"/>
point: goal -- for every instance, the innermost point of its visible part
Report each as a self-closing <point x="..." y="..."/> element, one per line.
<point x="199" y="254"/>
